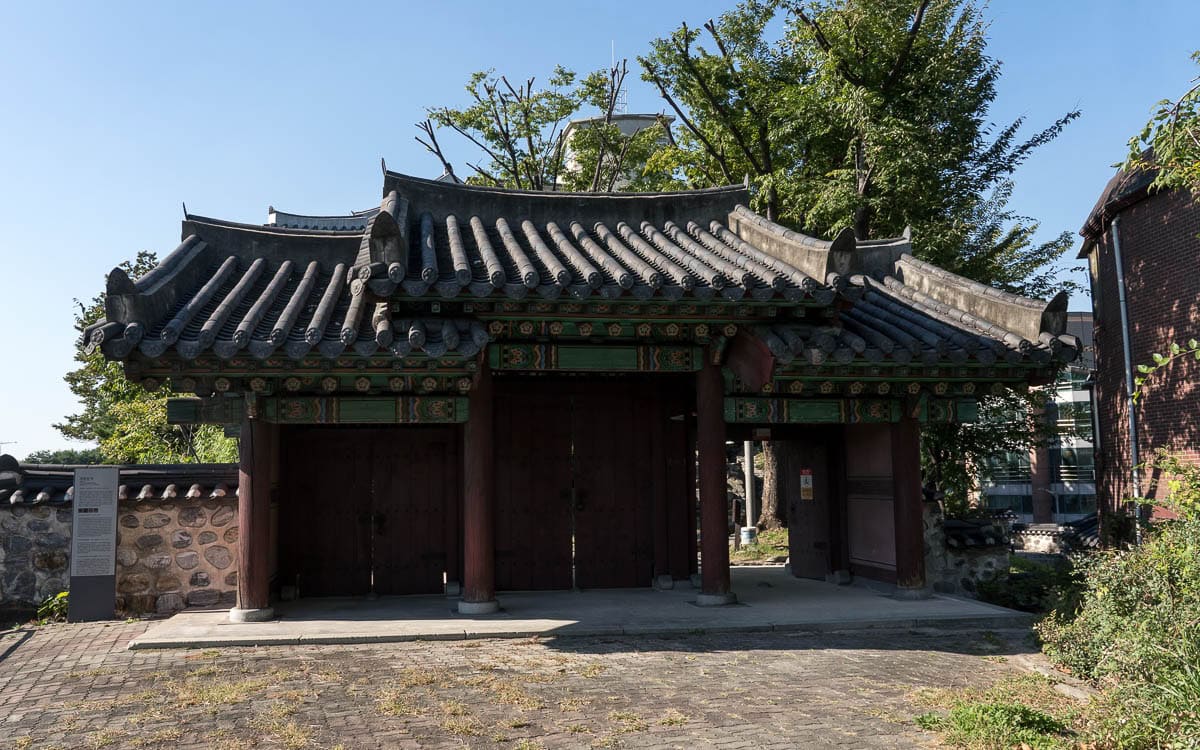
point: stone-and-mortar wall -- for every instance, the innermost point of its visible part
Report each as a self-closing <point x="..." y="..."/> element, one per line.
<point x="35" y="549"/>
<point x="958" y="571"/>
<point x="170" y="554"/>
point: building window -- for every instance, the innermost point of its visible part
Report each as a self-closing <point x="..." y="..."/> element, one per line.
<point x="1007" y="468"/>
<point x="1073" y="465"/>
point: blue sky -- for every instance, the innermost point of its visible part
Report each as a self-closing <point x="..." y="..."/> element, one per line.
<point x="115" y="113"/>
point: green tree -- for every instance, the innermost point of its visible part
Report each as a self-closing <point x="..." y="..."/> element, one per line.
<point x="129" y="422"/>
<point x="1171" y="140"/>
<point x="66" y="456"/>
<point x="526" y="140"/>
<point x="864" y="113"/>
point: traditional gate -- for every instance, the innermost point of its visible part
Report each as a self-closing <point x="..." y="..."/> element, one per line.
<point x="369" y="510"/>
<point x="583" y="484"/>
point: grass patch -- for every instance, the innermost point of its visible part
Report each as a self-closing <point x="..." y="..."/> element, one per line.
<point x="462" y="726"/>
<point x="573" y="704"/>
<point x="996" y="726"/>
<point x="594" y="669"/>
<point x="170" y="735"/>
<point x="393" y="702"/>
<point x="628" y="721"/>
<point x="769" y="545"/>
<point x="1021" y="711"/>
<point x="106" y="738"/>
<point x="673" y="718"/>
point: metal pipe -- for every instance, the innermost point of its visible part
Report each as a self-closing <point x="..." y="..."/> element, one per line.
<point x="1134" y="472"/>
<point x="748" y="456"/>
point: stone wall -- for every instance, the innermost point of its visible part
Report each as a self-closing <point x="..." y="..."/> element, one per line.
<point x="958" y="569"/>
<point x="170" y="554"/>
<point x="177" y="553"/>
<point x="35" y="549"/>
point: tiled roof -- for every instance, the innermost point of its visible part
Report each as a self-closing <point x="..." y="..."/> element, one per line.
<point x="263" y="291"/>
<point x="34" y="484"/>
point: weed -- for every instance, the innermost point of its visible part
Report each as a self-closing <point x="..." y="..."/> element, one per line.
<point x="511" y="694"/>
<point x="394" y="703"/>
<point x="673" y="718"/>
<point x="529" y="745"/>
<point x="594" y="669"/>
<point x="996" y="726"/>
<point x="464" y="726"/>
<point x="161" y="737"/>
<point x="573" y="704"/>
<point x="629" y="721"/>
<point x="516" y="723"/>
<point x="454" y="708"/>
<point x="578" y="729"/>
<point x="105" y="737"/>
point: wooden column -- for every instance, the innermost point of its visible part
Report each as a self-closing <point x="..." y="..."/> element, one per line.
<point x="479" y="543"/>
<point x="908" y="507"/>
<point x="714" y="528"/>
<point x="254" y="522"/>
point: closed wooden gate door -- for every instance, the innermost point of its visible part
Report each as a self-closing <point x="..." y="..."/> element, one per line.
<point x="369" y="510"/>
<point x="576" y="485"/>
<point x="614" y="486"/>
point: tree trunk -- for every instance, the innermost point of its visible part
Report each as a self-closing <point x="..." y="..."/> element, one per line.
<point x="773" y="514"/>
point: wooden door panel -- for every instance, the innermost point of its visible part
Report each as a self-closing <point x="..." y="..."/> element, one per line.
<point x="615" y="432"/>
<point x="411" y="501"/>
<point x="533" y="479"/>
<point x="324" y="512"/>
<point x="805" y="473"/>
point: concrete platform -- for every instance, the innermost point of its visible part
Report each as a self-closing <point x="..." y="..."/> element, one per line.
<point x="768" y="599"/>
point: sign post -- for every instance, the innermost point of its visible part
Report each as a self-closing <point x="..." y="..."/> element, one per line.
<point x="94" y="544"/>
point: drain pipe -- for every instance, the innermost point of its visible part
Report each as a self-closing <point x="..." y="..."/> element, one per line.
<point x="1134" y="471"/>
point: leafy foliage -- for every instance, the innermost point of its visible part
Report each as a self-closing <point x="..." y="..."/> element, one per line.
<point x="129" y="422"/>
<point x="1171" y="141"/>
<point x="53" y="608"/>
<point x="524" y="135"/>
<point x="66" y="456"/>
<point x="1008" y="423"/>
<point x="997" y="726"/>
<point x="1138" y="632"/>
<point x="871" y="114"/>
<point x="1032" y="586"/>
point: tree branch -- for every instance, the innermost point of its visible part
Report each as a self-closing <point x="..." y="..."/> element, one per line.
<point x="684" y="48"/>
<point x="902" y="58"/>
<point x="433" y="146"/>
<point x="716" y="155"/>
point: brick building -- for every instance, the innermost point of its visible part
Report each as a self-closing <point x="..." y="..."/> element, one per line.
<point x="1155" y="236"/>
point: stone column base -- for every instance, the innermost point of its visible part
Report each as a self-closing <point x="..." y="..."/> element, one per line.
<point x="264" y="614"/>
<point x="715" y="600"/>
<point x="478" y="608"/>
<point x="663" y="583"/>
<point x="908" y="594"/>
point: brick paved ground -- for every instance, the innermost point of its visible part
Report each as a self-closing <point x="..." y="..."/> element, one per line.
<point x="77" y="686"/>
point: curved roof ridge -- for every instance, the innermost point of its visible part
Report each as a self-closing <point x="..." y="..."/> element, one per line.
<point x="271" y="228"/>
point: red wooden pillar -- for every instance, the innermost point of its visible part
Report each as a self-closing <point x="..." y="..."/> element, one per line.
<point x="714" y="528"/>
<point x="908" y="507"/>
<point x="254" y="522"/>
<point x="479" y="543"/>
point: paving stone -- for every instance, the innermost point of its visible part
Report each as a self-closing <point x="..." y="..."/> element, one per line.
<point x="77" y="685"/>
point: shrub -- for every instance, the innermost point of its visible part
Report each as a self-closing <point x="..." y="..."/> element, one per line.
<point x="1033" y="586"/>
<point x="53" y="608"/>
<point x="1134" y="602"/>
